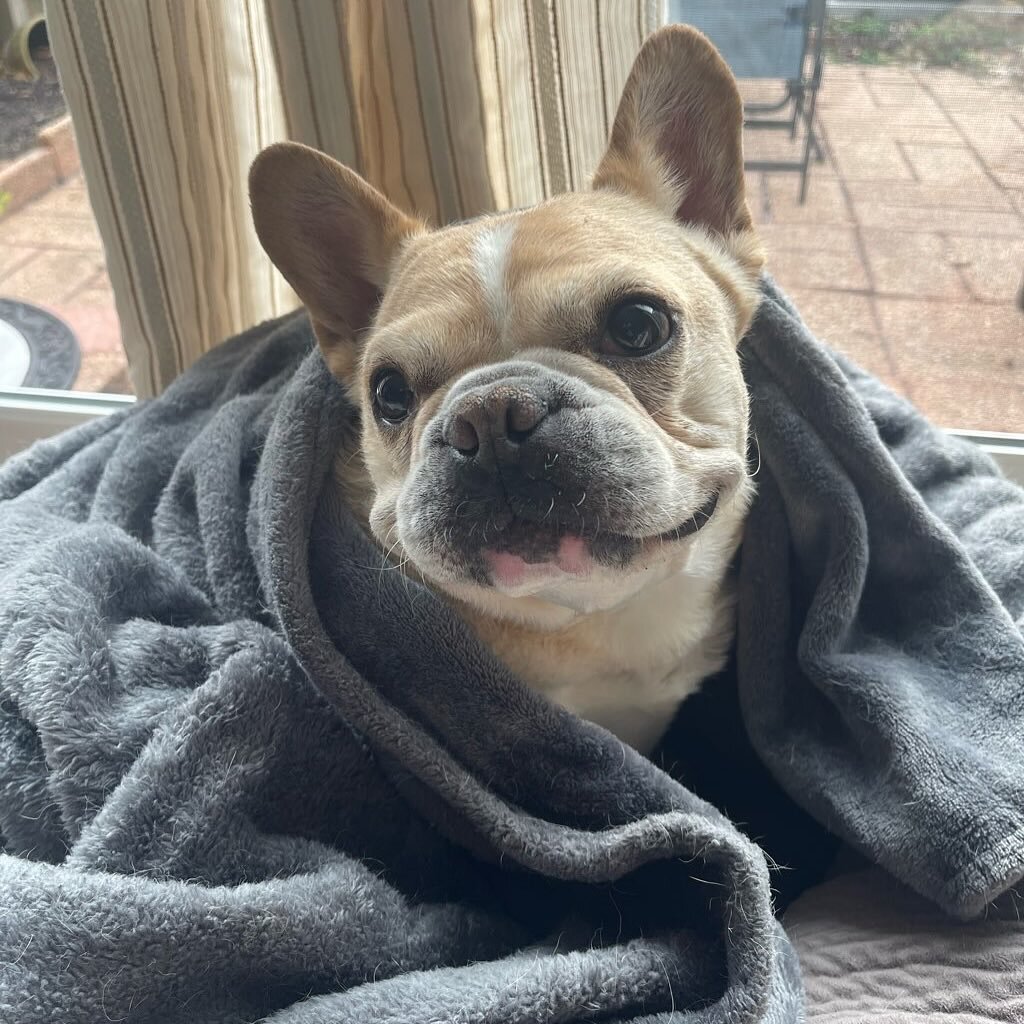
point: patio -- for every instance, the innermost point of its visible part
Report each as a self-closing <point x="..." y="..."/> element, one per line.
<point x="907" y="254"/>
<point x="909" y="251"/>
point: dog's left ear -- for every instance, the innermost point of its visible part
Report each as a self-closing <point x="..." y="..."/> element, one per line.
<point x="677" y="140"/>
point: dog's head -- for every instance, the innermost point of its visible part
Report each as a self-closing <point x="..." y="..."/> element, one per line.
<point x="553" y="411"/>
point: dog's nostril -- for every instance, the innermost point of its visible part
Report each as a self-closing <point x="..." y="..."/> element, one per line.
<point x="462" y="436"/>
<point x="500" y="418"/>
<point x="523" y="417"/>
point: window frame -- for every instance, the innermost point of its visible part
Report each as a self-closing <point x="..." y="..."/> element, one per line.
<point x="28" y="415"/>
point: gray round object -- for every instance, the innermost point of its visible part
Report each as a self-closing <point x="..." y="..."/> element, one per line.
<point x="37" y="346"/>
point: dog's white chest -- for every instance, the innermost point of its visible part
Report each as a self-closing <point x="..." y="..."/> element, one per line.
<point x="628" y="669"/>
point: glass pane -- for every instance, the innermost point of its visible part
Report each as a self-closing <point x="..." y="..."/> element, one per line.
<point x="58" y="324"/>
<point x="908" y="251"/>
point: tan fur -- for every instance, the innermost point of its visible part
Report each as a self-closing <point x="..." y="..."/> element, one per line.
<point x="667" y="217"/>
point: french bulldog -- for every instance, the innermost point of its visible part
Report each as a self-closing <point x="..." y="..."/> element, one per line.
<point x="553" y="419"/>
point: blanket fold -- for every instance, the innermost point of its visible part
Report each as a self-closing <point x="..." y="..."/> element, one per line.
<point x="248" y="771"/>
<point x="881" y="659"/>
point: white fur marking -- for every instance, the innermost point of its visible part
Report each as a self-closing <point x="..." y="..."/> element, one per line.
<point x="490" y="258"/>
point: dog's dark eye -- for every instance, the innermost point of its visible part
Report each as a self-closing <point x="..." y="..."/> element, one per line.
<point x="392" y="396"/>
<point x="635" y="328"/>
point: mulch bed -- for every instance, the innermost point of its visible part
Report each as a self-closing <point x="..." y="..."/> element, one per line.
<point x="25" y="107"/>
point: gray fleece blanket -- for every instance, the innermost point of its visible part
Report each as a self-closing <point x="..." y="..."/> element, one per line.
<point x="249" y="773"/>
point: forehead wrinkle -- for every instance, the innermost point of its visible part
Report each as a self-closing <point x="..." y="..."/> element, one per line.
<point x="432" y="265"/>
<point x="599" y="230"/>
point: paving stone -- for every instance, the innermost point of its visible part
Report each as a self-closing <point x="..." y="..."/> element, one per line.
<point x="72" y="199"/>
<point x="904" y="96"/>
<point x="825" y="202"/>
<point x="809" y="237"/>
<point x="964" y="362"/>
<point x="983" y="194"/>
<point x="948" y="400"/>
<point x="838" y="269"/>
<point x="993" y="267"/>
<point x="958" y="92"/>
<point x="889" y="75"/>
<point x="61" y="232"/>
<point x="104" y="372"/>
<point x="773" y="144"/>
<point x="976" y="341"/>
<point x="944" y="165"/>
<point x="843" y="94"/>
<point x="95" y="324"/>
<point x="867" y="157"/>
<point x="51" y="276"/>
<point x="901" y="127"/>
<point x="846" y="322"/>
<point x="914" y="263"/>
<point x="12" y="257"/>
<point x="939" y="219"/>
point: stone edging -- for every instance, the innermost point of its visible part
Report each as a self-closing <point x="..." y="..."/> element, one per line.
<point x="52" y="160"/>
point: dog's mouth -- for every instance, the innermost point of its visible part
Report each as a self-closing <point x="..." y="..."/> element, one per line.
<point x="525" y="552"/>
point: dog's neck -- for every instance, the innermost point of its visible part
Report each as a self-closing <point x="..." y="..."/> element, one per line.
<point x="627" y="668"/>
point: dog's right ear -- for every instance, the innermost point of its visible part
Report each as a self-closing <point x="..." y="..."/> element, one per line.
<point x="332" y="236"/>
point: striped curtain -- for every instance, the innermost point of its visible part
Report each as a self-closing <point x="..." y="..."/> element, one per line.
<point x="450" y="107"/>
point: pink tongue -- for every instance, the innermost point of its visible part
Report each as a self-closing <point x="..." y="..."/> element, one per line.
<point x="572" y="558"/>
<point x="507" y="568"/>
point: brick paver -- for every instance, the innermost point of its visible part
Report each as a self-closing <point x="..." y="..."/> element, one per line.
<point x="907" y="254"/>
<point x="924" y="172"/>
<point x="51" y="255"/>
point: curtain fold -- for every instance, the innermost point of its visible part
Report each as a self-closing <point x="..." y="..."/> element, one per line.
<point x="450" y="107"/>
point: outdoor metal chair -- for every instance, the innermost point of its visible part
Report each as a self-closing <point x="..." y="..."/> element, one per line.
<point x="769" y="39"/>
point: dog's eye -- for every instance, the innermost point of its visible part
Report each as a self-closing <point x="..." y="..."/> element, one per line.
<point x="392" y="396"/>
<point x="635" y="328"/>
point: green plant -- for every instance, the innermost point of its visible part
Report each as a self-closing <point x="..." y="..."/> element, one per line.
<point x="868" y="27"/>
<point x="5" y="200"/>
<point x="988" y="42"/>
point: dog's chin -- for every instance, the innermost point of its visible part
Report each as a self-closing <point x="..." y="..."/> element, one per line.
<point x="544" y="573"/>
<point x="529" y="559"/>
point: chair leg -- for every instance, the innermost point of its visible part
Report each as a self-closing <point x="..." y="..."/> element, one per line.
<point x="811" y="142"/>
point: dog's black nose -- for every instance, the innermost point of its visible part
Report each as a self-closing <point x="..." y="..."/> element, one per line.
<point x="493" y="418"/>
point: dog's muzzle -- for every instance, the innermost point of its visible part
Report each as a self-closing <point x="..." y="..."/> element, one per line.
<point x="505" y="439"/>
<point x="527" y="461"/>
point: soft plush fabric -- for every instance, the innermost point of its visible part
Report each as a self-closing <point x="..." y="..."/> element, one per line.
<point x="880" y="653"/>
<point x="873" y="952"/>
<point x="250" y="771"/>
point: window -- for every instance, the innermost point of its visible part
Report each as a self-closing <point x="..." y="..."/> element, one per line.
<point x="907" y="250"/>
<point x="59" y="332"/>
<point x="885" y="148"/>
